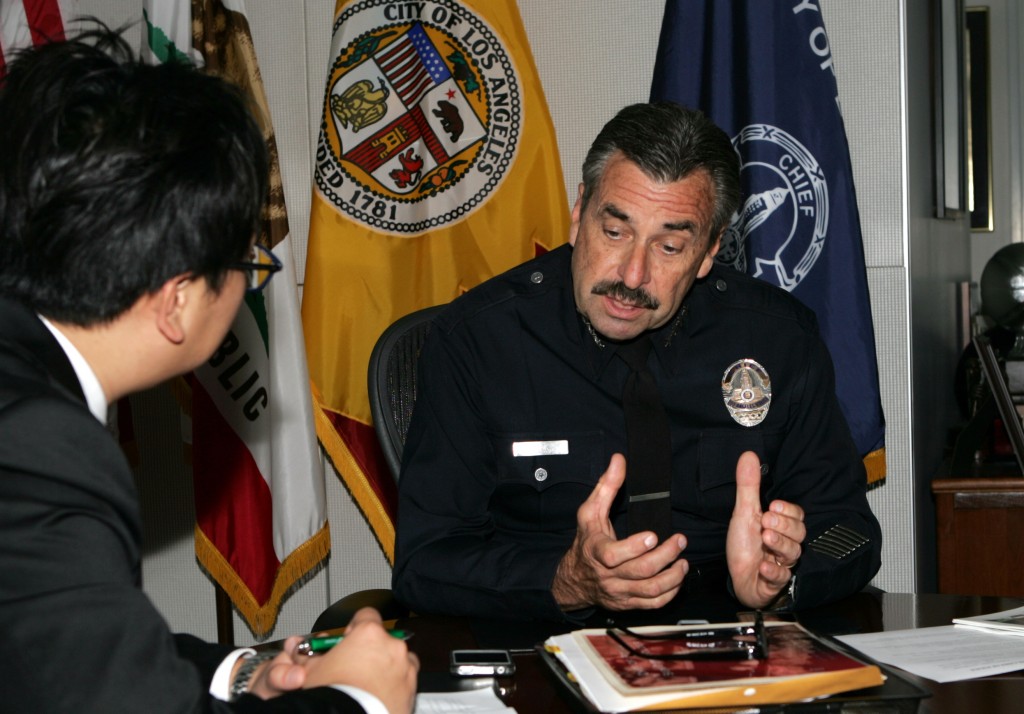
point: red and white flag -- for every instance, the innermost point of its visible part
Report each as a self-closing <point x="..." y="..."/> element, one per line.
<point x="24" y="23"/>
<point x="261" y="513"/>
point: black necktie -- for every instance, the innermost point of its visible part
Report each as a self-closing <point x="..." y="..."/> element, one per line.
<point x="648" y="446"/>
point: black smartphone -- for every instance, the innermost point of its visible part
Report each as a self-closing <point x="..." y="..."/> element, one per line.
<point x="482" y="663"/>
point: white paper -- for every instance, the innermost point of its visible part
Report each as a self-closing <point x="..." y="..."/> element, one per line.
<point x="1009" y="621"/>
<point x="472" y="701"/>
<point x="943" y="654"/>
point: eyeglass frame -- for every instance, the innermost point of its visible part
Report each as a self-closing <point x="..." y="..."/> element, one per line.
<point x="758" y="649"/>
<point x="274" y="266"/>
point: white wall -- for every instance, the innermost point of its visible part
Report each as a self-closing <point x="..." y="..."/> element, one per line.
<point x="595" y="56"/>
<point x="866" y="43"/>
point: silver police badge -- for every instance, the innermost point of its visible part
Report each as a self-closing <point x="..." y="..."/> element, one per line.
<point x="747" y="392"/>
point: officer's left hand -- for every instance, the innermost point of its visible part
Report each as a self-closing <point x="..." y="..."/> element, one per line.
<point x="761" y="548"/>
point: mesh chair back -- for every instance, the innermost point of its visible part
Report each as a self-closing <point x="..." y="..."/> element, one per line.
<point x="392" y="381"/>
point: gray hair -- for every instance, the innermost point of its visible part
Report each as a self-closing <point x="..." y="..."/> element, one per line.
<point x="669" y="142"/>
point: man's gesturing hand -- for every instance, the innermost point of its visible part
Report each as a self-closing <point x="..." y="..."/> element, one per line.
<point x="761" y="547"/>
<point x="599" y="569"/>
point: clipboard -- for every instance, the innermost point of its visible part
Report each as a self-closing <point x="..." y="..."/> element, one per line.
<point x="897" y="694"/>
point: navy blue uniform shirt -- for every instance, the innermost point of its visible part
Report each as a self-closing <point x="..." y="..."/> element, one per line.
<point x="481" y="530"/>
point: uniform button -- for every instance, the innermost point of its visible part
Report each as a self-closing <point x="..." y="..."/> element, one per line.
<point x="720" y="285"/>
<point x="537" y="277"/>
<point x="764" y="469"/>
<point x="541" y="474"/>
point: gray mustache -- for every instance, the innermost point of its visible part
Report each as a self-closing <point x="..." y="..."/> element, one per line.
<point x="618" y="290"/>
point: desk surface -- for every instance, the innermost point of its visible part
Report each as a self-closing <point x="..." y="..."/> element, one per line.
<point x="534" y="689"/>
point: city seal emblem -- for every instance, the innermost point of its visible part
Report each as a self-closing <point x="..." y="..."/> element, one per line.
<point x="747" y="392"/>
<point x="422" y="115"/>
<point x="782" y="226"/>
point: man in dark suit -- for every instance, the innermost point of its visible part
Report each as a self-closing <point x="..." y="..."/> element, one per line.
<point x="129" y="198"/>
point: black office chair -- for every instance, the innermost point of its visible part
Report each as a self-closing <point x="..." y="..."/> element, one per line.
<point x="391" y="379"/>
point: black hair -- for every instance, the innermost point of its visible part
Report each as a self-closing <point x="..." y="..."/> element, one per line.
<point x="669" y="142"/>
<point x="116" y="176"/>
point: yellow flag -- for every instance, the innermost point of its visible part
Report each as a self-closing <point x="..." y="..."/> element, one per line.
<point x="436" y="168"/>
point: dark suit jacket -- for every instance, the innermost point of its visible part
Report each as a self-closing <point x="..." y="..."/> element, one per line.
<point x="77" y="634"/>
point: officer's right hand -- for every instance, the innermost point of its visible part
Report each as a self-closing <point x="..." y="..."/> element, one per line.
<point x="598" y="569"/>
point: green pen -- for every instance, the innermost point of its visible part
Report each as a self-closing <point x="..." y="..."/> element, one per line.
<point x="318" y="645"/>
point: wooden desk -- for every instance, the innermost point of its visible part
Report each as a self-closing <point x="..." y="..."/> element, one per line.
<point x="980" y="525"/>
<point x="534" y="689"/>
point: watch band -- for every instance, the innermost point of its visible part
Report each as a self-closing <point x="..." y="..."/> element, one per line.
<point x="250" y="663"/>
<point x="784" y="600"/>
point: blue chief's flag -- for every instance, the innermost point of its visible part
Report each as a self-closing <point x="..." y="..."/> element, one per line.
<point x="763" y="71"/>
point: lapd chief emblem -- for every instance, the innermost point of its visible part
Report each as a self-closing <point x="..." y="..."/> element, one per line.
<point x="782" y="226"/>
<point x="747" y="392"/>
<point x="422" y="115"/>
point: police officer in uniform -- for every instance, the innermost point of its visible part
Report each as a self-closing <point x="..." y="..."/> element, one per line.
<point x="514" y="496"/>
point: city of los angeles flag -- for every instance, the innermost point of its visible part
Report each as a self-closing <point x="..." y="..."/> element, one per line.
<point x="261" y="513"/>
<point x="436" y="168"/>
<point x="763" y="71"/>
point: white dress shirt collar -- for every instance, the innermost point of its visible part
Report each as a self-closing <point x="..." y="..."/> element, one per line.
<point x="94" y="395"/>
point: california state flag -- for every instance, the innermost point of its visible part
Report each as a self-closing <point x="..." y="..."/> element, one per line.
<point x="24" y="23"/>
<point x="261" y="520"/>
<point x="436" y="168"/>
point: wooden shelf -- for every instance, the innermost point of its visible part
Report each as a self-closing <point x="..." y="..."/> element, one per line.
<point x="980" y="524"/>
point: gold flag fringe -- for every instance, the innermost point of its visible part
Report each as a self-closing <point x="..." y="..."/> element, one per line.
<point x="874" y="464"/>
<point x="353" y="478"/>
<point x="295" y="569"/>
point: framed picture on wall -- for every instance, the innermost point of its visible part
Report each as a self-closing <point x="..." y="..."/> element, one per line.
<point x="947" y="40"/>
<point x="978" y="81"/>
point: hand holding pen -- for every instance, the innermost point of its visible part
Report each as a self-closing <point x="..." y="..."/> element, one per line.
<point x="367" y="657"/>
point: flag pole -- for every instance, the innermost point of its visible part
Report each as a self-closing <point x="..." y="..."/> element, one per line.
<point x="225" y="621"/>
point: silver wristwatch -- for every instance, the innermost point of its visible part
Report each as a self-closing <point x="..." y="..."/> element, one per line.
<point x="784" y="600"/>
<point x="250" y="663"/>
